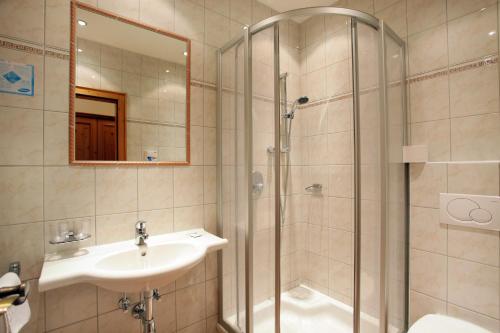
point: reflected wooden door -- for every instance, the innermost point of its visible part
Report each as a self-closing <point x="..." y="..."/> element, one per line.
<point x="96" y="139"/>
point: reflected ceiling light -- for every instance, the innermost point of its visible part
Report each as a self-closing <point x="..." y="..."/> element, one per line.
<point x="185" y="53"/>
<point x="245" y="27"/>
<point x="80" y="50"/>
<point x="492" y="33"/>
<point x="167" y="71"/>
<point x="82" y="23"/>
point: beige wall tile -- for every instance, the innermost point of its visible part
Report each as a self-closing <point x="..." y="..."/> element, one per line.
<point x="216" y="29"/>
<point x="209" y="146"/>
<point x="340" y="148"/>
<point x="159" y="13"/>
<point x="429" y="99"/>
<point x="426" y="231"/>
<point x="426" y="182"/>
<point x="21" y="198"/>
<point x="199" y="327"/>
<point x="424" y="14"/>
<point x="210" y="185"/>
<point x="23" y="19"/>
<point x="241" y="11"/>
<point x="428" y="273"/>
<point x="188" y="186"/>
<point x="473" y="317"/>
<point x="69" y="192"/>
<point x="469" y="36"/>
<point x="57" y="23"/>
<point x="189" y="20"/>
<point x="421" y="304"/>
<point x="341" y="245"/>
<point x="56" y="85"/>
<point x="116" y="190"/>
<point x="192" y="298"/>
<point x="428" y="50"/>
<point x="127" y="8"/>
<point x="381" y="4"/>
<point x="394" y="15"/>
<point x="188" y="218"/>
<point x="84" y="326"/>
<point x="115" y="228"/>
<point x="159" y="221"/>
<point x="21" y="133"/>
<point x="70" y="304"/>
<point x="474" y="91"/>
<point x="55" y="139"/>
<point x="164" y="313"/>
<point x="473" y="179"/>
<point x="466" y="278"/>
<point x="118" y="321"/>
<point x="194" y="276"/>
<point x="457" y="8"/>
<point x="475" y="138"/>
<point x="155" y="188"/>
<point x="434" y="134"/>
<point x="473" y="244"/>
<point x="27" y="249"/>
<point x="341" y="213"/>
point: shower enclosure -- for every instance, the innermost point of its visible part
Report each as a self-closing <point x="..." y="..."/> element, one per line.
<point x="316" y="213"/>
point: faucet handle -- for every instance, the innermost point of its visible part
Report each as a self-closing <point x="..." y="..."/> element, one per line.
<point x="140" y="227"/>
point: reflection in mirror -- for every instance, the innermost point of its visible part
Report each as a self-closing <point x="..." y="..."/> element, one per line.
<point x="132" y="89"/>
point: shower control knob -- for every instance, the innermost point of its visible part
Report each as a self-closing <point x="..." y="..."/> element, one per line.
<point x="124" y="304"/>
<point x="156" y="295"/>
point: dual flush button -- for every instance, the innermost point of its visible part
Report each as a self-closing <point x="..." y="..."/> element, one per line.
<point x="476" y="211"/>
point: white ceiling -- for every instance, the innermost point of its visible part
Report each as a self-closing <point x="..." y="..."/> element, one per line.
<point x="108" y="31"/>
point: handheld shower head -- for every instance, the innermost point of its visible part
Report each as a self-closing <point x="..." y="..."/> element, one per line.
<point x="299" y="101"/>
<point x="302" y="100"/>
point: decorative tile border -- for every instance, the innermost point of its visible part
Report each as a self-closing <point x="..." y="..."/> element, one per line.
<point x="484" y="61"/>
<point x="21" y="47"/>
<point x="57" y="55"/>
<point x="34" y="50"/>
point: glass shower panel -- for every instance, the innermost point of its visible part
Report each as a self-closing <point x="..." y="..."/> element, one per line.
<point x="396" y="187"/>
<point x="234" y="187"/>
<point x="263" y="268"/>
<point x="370" y="178"/>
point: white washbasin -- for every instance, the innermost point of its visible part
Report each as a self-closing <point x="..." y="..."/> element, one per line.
<point x="121" y="266"/>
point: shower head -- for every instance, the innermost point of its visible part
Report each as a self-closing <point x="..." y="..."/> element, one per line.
<point x="299" y="101"/>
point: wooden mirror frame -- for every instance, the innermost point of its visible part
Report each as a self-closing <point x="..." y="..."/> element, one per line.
<point x="72" y="87"/>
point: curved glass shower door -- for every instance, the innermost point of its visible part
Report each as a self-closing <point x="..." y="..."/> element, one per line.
<point x="311" y="183"/>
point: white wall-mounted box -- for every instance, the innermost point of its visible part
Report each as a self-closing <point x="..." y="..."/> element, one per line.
<point x="468" y="210"/>
<point x="415" y="154"/>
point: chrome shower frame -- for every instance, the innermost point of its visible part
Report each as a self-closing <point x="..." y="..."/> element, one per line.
<point x="246" y="39"/>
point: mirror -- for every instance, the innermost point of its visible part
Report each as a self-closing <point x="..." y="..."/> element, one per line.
<point x="129" y="91"/>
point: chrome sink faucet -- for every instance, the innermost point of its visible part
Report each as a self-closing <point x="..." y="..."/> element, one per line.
<point x="140" y="234"/>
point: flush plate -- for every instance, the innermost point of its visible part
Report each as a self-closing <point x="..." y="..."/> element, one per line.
<point x="475" y="211"/>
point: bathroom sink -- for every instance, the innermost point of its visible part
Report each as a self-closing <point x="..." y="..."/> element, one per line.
<point x="122" y="266"/>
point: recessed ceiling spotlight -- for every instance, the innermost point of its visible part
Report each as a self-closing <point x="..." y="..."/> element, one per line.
<point x="245" y="27"/>
<point x="185" y="53"/>
<point x="492" y="33"/>
<point x="167" y="71"/>
<point x="82" y="23"/>
<point x="80" y="50"/>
